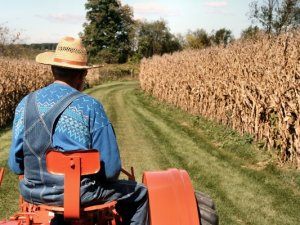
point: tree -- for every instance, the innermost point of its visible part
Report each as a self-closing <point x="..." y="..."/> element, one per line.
<point x="10" y="44"/>
<point x="288" y="16"/>
<point x="108" y="31"/>
<point x="250" y="32"/>
<point x="276" y="16"/>
<point x="181" y="40"/>
<point x="197" y="39"/>
<point x="154" y="38"/>
<point x="8" y="39"/>
<point x="222" y="36"/>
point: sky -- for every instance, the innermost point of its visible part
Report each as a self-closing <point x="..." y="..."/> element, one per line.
<point x="41" y="21"/>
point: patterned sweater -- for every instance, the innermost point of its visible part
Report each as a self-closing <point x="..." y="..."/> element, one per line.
<point x="83" y="125"/>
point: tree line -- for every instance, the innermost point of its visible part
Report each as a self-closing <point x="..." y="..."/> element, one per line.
<point x="10" y="46"/>
<point x="111" y="34"/>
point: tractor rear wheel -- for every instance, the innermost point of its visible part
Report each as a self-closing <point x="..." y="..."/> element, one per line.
<point x="206" y="209"/>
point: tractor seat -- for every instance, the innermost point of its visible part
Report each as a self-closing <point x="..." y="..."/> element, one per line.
<point x="73" y="165"/>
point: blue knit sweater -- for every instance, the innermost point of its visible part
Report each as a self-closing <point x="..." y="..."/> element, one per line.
<point x="83" y="125"/>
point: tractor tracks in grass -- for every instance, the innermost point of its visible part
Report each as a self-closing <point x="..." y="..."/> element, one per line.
<point x="133" y="145"/>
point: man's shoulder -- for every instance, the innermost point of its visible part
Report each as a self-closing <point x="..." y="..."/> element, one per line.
<point x="22" y="103"/>
<point x="93" y="109"/>
<point x="88" y="101"/>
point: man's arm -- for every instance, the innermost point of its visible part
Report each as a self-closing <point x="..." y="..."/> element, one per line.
<point x="104" y="139"/>
<point x="16" y="157"/>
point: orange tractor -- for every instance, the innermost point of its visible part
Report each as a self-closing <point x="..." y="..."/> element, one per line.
<point x="172" y="199"/>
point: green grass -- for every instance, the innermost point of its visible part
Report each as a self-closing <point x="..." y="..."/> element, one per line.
<point x="9" y="201"/>
<point x="245" y="183"/>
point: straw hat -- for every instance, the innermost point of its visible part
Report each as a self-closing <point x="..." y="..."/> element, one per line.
<point x="69" y="53"/>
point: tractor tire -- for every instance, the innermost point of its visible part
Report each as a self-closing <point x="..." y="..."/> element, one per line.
<point x="206" y="209"/>
<point x="204" y="199"/>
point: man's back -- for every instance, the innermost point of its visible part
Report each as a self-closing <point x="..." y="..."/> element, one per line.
<point x="82" y="125"/>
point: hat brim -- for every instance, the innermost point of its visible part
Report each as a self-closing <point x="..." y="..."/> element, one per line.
<point x="47" y="58"/>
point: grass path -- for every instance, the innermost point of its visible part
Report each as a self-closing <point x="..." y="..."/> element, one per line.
<point x="243" y="181"/>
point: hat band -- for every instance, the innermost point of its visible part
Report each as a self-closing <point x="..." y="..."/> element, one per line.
<point x="69" y="62"/>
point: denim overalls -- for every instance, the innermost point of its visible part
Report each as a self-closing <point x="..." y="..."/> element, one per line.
<point x="39" y="186"/>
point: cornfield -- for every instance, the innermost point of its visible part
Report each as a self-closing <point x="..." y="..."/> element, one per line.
<point x="251" y="86"/>
<point x="18" y="78"/>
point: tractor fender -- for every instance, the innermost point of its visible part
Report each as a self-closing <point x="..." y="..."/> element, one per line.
<point x="171" y="198"/>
